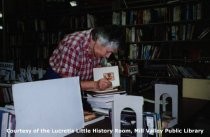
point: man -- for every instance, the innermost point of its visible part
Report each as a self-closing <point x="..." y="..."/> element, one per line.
<point x="78" y="53"/>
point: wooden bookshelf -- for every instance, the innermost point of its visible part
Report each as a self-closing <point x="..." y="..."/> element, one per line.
<point x="165" y="33"/>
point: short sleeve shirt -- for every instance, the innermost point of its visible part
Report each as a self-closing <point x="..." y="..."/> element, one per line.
<point x="72" y="57"/>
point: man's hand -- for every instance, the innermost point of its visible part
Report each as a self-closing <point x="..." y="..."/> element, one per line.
<point x="103" y="84"/>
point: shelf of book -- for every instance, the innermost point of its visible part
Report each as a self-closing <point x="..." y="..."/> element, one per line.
<point x="167" y="40"/>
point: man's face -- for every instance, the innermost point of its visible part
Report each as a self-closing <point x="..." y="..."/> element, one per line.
<point x="103" y="50"/>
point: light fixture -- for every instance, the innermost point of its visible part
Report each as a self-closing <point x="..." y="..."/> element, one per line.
<point x="1" y="27"/>
<point x="1" y="15"/>
<point x="73" y="3"/>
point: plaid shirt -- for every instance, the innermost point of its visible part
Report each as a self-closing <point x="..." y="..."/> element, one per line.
<point x="72" y="57"/>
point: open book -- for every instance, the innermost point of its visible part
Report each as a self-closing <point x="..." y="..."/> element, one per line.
<point x="110" y="73"/>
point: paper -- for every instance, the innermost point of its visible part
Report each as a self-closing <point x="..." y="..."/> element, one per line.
<point x="47" y="107"/>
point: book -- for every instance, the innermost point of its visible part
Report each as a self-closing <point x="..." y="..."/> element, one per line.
<point x="102" y="110"/>
<point x="11" y="125"/>
<point x="107" y="93"/>
<point x="92" y="117"/>
<point x="204" y="33"/>
<point x="90" y="21"/>
<point x="116" y="18"/>
<point x="123" y="18"/>
<point x="4" y="124"/>
<point x="151" y="123"/>
<point x="111" y="74"/>
<point x="1" y="122"/>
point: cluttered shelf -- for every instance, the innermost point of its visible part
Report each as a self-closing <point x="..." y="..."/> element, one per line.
<point x="165" y="40"/>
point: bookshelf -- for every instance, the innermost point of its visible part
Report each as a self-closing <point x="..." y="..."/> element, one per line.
<point x="165" y="39"/>
<point x="33" y="29"/>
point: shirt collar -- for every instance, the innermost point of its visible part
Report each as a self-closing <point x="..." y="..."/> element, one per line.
<point x="87" y="45"/>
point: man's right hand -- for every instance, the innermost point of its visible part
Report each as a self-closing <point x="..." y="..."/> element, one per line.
<point x="103" y="84"/>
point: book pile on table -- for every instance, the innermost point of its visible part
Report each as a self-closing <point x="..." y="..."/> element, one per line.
<point x="102" y="102"/>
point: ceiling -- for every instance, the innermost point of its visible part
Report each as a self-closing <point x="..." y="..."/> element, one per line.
<point x="101" y="3"/>
<point x="84" y="2"/>
<point x="117" y="3"/>
<point x="56" y="5"/>
<point x="98" y="2"/>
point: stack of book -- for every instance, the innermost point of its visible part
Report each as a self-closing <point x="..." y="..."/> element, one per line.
<point x="102" y="102"/>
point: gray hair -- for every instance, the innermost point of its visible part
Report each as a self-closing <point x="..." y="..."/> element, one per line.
<point x="109" y="36"/>
<point x="105" y="42"/>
